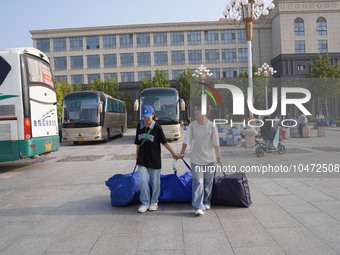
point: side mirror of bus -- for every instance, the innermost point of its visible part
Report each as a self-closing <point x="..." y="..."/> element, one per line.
<point x="182" y="105"/>
<point x="136" y="105"/>
<point x="100" y="107"/>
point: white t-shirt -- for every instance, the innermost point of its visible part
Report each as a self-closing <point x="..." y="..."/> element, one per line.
<point x="202" y="139"/>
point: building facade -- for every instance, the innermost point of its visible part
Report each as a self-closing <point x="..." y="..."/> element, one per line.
<point x="292" y="35"/>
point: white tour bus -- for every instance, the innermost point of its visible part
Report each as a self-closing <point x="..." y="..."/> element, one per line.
<point x="167" y="106"/>
<point x="28" y="105"/>
<point x="92" y="116"/>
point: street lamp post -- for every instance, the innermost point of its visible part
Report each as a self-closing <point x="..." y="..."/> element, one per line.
<point x="266" y="71"/>
<point x="247" y="11"/>
<point x="202" y="73"/>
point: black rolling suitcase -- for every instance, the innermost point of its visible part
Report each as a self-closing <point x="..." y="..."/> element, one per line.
<point x="231" y="190"/>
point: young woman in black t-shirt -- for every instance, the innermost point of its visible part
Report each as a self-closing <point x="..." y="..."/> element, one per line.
<point x="149" y="137"/>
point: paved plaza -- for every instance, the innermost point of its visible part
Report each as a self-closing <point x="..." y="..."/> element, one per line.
<point x="59" y="204"/>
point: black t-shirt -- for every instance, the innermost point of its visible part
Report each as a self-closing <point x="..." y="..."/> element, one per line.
<point x="150" y="152"/>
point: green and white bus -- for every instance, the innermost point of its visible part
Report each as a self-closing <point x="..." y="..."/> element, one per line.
<point x="28" y="105"/>
<point x="92" y="116"/>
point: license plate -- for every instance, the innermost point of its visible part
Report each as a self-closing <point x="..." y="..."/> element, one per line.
<point x="80" y="138"/>
<point x="48" y="146"/>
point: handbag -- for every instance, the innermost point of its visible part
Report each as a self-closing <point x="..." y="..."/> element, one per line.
<point x="231" y="190"/>
<point x="176" y="189"/>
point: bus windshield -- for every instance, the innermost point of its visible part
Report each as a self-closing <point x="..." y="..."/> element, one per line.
<point x="81" y="111"/>
<point x="165" y="106"/>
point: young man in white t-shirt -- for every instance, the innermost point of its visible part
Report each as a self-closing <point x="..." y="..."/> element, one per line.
<point x="203" y="139"/>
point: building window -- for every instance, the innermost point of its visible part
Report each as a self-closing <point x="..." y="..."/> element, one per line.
<point x="77" y="79"/>
<point x="93" y="61"/>
<point x="166" y="73"/>
<point x="110" y="60"/>
<point x="127" y="77"/>
<point x="243" y="70"/>
<point x="77" y="62"/>
<point x="216" y="73"/>
<point x="144" y="74"/>
<point x="212" y="56"/>
<point x="322" y="46"/>
<point x="92" y="77"/>
<point x="44" y="45"/>
<point x="241" y="36"/>
<point x="229" y="55"/>
<point x="59" y="44"/>
<point x="300" y="46"/>
<point x="60" y="63"/>
<point x="194" y="38"/>
<point x="109" y="42"/>
<point x="161" y="57"/>
<point x="178" y="57"/>
<point x="160" y="39"/>
<point x="211" y="37"/>
<point x="143" y="40"/>
<point x="229" y="72"/>
<point x="126" y="40"/>
<point x="194" y="56"/>
<point x="177" y="38"/>
<point x="92" y="42"/>
<point x="176" y="74"/>
<point x="108" y="76"/>
<point x="76" y="43"/>
<point x="144" y="58"/>
<point x="126" y="59"/>
<point x="228" y="36"/>
<point x="321" y="26"/>
<point x="242" y="55"/>
<point x="60" y="78"/>
<point x="301" y="68"/>
<point x="299" y="27"/>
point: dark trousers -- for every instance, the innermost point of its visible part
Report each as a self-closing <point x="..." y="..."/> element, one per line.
<point x="300" y="128"/>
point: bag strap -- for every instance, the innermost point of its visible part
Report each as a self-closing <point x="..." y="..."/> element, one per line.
<point x="134" y="169"/>
<point x="186" y="164"/>
<point x="146" y="136"/>
<point x="144" y="140"/>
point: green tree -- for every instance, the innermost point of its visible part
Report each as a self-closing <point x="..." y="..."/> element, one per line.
<point x="62" y="88"/>
<point x="183" y="85"/>
<point x="322" y="68"/>
<point x="109" y="87"/>
<point x="159" y="80"/>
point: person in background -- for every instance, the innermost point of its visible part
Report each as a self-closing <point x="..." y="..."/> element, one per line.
<point x="203" y="139"/>
<point x="149" y="137"/>
<point x="302" y="121"/>
<point x="320" y="116"/>
<point x="60" y="131"/>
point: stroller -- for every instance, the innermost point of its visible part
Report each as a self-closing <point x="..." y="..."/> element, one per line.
<point x="269" y="145"/>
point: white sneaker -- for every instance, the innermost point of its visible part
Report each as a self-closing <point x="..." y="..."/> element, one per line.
<point x="207" y="207"/>
<point x="153" y="207"/>
<point x="199" y="212"/>
<point x="143" y="208"/>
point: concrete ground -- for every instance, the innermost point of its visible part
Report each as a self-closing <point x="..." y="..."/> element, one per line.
<point x="60" y="205"/>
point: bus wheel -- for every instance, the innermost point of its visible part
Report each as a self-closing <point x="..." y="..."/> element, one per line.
<point x="121" y="132"/>
<point x="108" y="136"/>
<point x="75" y="143"/>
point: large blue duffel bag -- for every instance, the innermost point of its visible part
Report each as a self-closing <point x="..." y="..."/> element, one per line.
<point x="124" y="188"/>
<point x="176" y="189"/>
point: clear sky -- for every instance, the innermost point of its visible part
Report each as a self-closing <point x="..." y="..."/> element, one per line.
<point x="18" y="17"/>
